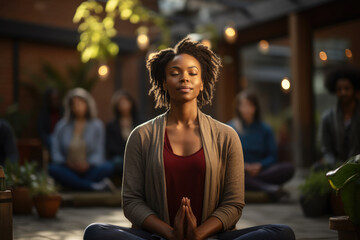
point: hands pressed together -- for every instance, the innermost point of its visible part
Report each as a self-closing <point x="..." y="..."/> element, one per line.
<point x="185" y="225"/>
<point x="253" y="169"/>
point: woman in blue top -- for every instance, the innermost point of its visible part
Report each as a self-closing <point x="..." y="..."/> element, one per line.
<point x="262" y="172"/>
<point x="78" y="145"/>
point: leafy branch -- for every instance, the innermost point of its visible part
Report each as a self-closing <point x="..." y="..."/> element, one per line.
<point x="97" y="28"/>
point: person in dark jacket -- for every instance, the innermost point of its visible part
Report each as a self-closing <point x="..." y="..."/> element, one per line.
<point x="340" y="125"/>
<point x="119" y="129"/>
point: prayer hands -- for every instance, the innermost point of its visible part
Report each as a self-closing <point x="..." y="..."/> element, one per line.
<point x="79" y="167"/>
<point x="185" y="224"/>
<point x="253" y="169"/>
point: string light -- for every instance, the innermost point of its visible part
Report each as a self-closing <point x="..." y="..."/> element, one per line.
<point x="348" y="53"/>
<point x="264" y="46"/>
<point x="142" y="41"/>
<point x="230" y="34"/>
<point x="323" y="55"/>
<point x="103" y="71"/>
<point x="285" y="84"/>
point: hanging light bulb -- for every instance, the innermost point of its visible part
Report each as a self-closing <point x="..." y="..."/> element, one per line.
<point x="323" y="56"/>
<point x="264" y="46"/>
<point x="348" y="53"/>
<point x="103" y="71"/>
<point x="142" y="41"/>
<point x="230" y="34"/>
<point x="285" y="84"/>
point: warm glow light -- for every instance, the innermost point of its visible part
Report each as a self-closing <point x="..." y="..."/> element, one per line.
<point x="323" y="56"/>
<point x="142" y="41"/>
<point x="348" y="53"/>
<point x="285" y="84"/>
<point x="103" y="70"/>
<point x="264" y="46"/>
<point x="206" y="43"/>
<point x="230" y="34"/>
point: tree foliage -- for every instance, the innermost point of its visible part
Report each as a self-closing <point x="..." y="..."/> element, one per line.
<point x="97" y="25"/>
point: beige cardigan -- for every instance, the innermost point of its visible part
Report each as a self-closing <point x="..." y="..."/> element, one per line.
<point x="144" y="190"/>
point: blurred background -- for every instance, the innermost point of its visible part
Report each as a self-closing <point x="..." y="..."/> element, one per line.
<point x="280" y="48"/>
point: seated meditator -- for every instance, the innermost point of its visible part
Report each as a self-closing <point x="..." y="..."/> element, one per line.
<point x="78" y="158"/>
<point x="262" y="171"/>
<point x="340" y="125"/>
<point x="119" y="129"/>
<point x="184" y="172"/>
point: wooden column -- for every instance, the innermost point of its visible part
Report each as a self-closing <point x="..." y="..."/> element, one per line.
<point x="228" y="85"/>
<point x="302" y="92"/>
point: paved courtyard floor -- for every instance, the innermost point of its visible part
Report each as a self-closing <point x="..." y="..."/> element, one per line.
<point x="71" y="222"/>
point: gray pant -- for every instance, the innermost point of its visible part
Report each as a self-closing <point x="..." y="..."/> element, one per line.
<point x="98" y="231"/>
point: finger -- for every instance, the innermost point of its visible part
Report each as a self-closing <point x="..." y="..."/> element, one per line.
<point x="191" y="212"/>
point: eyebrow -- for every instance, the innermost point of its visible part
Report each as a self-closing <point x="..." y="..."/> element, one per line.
<point x="177" y="67"/>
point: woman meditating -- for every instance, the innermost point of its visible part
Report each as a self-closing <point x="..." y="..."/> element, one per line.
<point x="78" y="159"/>
<point x="262" y="170"/>
<point x="184" y="171"/>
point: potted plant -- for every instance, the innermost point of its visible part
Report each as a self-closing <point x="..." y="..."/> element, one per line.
<point x="346" y="181"/>
<point x="18" y="179"/>
<point x="315" y="194"/>
<point x="46" y="198"/>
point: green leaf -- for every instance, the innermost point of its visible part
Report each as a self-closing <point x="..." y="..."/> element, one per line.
<point x="340" y="176"/>
<point x="350" y="195"/>
<point x="111" y="5"/>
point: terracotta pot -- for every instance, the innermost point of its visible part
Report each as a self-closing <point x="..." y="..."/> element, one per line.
<point x="22" y="200"/>
<point x="47" y="206"/>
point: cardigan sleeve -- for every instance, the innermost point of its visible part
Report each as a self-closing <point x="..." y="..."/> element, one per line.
<point x="232" y="201"/>
<point x="134" y="204"/>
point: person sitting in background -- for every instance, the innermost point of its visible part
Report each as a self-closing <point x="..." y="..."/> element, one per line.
<point x="119" y="129"/>
<point x="8" y="150"/>
<point x="340" y="125"/>
<point x="50" y="114"/>
<point x="78" y="146"/>
<point x="262" y="172"/>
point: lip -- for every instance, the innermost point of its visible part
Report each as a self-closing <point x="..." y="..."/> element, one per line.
<point x="184" y="89"/>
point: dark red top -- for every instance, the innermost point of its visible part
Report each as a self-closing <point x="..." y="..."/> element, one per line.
<point x="185" y="177"/>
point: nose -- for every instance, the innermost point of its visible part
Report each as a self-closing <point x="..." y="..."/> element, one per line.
<point x="184" y="77"/>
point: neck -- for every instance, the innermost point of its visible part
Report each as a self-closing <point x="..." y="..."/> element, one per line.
<point x="183" y="114"/>
<point x="80" y="119"/>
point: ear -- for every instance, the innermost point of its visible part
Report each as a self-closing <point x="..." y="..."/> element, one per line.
<point x="202" y="86"/>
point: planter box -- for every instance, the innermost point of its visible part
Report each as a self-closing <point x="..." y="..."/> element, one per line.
<point x="345" y="228"/>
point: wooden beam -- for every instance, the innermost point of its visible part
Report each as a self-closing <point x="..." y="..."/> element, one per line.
<point x="272" y="29"/>
<point x="53" y="35"/>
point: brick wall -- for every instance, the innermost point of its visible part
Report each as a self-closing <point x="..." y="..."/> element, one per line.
<point x="33" y="54"/>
